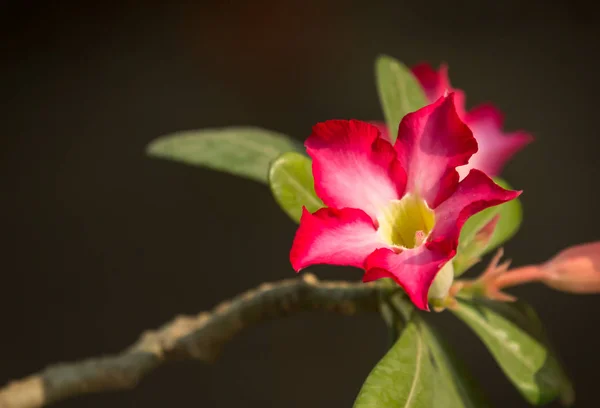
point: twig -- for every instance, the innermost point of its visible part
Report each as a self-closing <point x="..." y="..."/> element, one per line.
<point x="198" y="337"/>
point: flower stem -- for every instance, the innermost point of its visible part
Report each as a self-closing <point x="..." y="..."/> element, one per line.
<point x="519" y="276"/>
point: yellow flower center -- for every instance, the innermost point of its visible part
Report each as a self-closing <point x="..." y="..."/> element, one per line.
<point x="407" y="222"/>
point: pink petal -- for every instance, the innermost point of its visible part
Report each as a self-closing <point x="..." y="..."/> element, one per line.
<point x="486" y="114"/>
<point x="473" y="194"/>
<point x="431" y="143"/>
<point x="495" y="146"/>
<point x="334" y="237"/>
<point x="383" y="130"/>
<point x="575" y="269"/>
<point x="437" y="83"/>
<point x="459" y="102"/>
<point x="413" y="269"/>
<point x="353" y="166"/>
<point x="434" y="83"/>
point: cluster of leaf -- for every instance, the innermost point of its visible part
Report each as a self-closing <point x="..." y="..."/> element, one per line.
<point x="419" y="370"/>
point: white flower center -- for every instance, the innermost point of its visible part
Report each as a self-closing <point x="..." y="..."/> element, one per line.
<point x="406" y="223"/>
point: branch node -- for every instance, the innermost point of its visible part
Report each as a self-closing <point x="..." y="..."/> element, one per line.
<point x="310" y="279"/>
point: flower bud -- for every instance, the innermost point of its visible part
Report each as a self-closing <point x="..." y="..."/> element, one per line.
<point x="442" y="282"/>
<point x="575" y="269"/>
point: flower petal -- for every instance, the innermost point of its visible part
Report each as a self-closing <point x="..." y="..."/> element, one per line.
<point x="473" y="194"/>
<point x="437" y="83"/>
<point x="383" y="130"/>
<point x="413" y="269"/>
<point x="353" y="166"/>
<point x="334" y="237"/>
<point x="495" y="147"/>
<point x="434" y="83"/>
<point x="431" y="143"/>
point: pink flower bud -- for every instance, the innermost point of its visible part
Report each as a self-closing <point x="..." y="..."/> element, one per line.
<point x="575" y="269"/>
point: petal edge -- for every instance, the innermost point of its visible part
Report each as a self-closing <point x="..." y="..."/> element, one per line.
<point x="334" y="237"/>
<point x="414" y="270"/>
<point x="475" y="193"/>
<point x="353" y="166"/>
<point x="431" y="143"/>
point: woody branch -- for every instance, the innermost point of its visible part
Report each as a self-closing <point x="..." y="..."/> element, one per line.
<point x="198" y="337"/>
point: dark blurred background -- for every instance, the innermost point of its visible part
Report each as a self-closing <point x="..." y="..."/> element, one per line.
<point x="103" y="242"/>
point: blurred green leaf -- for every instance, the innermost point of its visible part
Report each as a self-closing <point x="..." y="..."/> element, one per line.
<point x="463" y="389"/>
<point x="418" y="371"/>
<point x="404" y="377"/>
<point x="389" y="312"/>
<point x="399" y="91"/>
<point x="510" y="217"/>
<point x="242" y="151"/>
<point x="292" y="184"/>
<point x="514" y="335"/>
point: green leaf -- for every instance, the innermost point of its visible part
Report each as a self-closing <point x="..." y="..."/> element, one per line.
<point x="418" y="372"/>
<point x="399" y="91"/>
<point x="292" y="184"/>
<point x="404" y="376"/>
<point x="514" y="335"/>
<point x="462" y="389"/>
<point x="394" y="309"/>
<point x="511" y="215"/>
<point x="242" y="151"/>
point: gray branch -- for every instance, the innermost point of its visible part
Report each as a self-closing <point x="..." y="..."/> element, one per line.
<point x="198" y="337"/>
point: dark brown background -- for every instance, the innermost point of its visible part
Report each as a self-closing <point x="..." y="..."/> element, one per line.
<point x="103" y="242"/>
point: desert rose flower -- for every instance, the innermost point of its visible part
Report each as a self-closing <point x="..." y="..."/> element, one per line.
<point x="394" y="211"/>
<point x="485" y="121"/>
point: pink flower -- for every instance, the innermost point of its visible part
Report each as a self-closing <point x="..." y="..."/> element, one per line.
<point x="486" y="121"/>
<point x="394" y="211"/>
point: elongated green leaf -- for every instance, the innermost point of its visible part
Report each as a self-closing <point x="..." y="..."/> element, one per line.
<point x="462" y="388"/>
<point x="242" y="151"/>
<point x="514" y="336"/>
<point x="392" y="315"/>
<point x="418" y="372"/>
<point x="292" y="184"/>
<point x="510" y="217"/>
<point x="403" y="378"/>
<point x="399" y="91"/>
